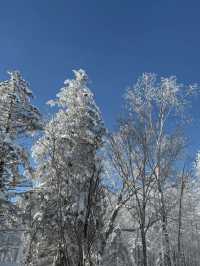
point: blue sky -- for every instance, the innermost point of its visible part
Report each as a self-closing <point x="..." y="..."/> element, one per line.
<point x="113" y="40"/>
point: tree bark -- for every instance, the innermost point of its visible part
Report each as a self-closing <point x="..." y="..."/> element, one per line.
<point x="1" y="174"/>
<point x="180" y="221"/>
<point x="144" y="247"/>
<point x="167" y="255"/>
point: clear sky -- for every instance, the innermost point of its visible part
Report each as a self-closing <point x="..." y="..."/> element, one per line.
<point x="113" y="40"/>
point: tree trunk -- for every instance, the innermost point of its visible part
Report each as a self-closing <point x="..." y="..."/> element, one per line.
<point x="180" y="222"/>
<point x="166" y="244"/>
<point x="110" y="227"/>
<point x="167" y="255"/>
<point x="81" y="256"/>
<point x="1" y="174"/>
<point x="144" y="246"/>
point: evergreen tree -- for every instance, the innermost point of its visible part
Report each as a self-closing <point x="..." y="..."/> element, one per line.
<point x="18" y="119"/>
<point x="67" y="219"/>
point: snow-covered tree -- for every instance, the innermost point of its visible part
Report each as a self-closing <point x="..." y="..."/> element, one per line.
<point x="18" y="119"/>
<point x="66" y="222"/>
<point x="136" y="204"/>
<point x="146" y="151"/>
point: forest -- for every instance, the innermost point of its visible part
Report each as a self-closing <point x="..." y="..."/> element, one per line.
<point x="74" y="193"/>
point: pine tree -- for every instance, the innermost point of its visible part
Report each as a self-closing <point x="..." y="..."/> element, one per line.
<point x="18" y="119"/>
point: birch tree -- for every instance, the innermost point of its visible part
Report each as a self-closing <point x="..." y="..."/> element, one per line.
<point x="146" y="150"/>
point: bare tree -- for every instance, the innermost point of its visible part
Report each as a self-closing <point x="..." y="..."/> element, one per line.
<point x="146" y="151"/>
